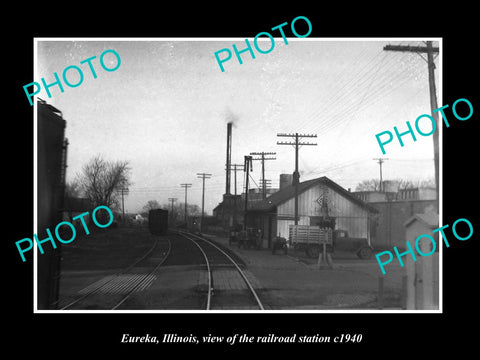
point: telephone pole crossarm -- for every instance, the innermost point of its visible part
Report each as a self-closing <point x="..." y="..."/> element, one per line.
<point x="418" y="49"/>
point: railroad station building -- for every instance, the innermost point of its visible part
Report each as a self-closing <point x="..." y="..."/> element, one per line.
<point x="317" y="198"/>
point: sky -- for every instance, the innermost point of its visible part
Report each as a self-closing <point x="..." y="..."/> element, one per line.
<point x="166" y="108"/>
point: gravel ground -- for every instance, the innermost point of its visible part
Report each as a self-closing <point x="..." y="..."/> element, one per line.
<point x="283" y="282"/>
<point x="294" y="282"/>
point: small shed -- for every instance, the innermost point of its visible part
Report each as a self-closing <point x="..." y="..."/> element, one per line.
<point x="422" y="275"/>
<point x="420" y="224"/>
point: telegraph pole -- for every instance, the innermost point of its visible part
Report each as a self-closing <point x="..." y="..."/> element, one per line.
<point x="296" y="174"/>
<point x="266" y="183"/>
<point x="430" y="51"/>
<point x="172" y="200"/>
<point x="203" y="176"/>
<point x="262" y="158"/>
<point x="186" y="186"/>
<point x="123" y="204"/>
<point x="236" y="167"/>
<point x="247" y="167"/>
<point x="380" y="162"/>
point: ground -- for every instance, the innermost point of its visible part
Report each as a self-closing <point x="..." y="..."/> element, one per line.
<point x="295" y="282"/>
<point x="283" y="282"/>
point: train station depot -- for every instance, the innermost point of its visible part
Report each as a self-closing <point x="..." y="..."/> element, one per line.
<point x="317" y="199"/>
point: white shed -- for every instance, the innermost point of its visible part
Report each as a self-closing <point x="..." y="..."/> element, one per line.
<point x="423" y="274"/>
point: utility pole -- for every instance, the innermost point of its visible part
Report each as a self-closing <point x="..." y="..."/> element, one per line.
<point x="380" y="162"/>
<point x="266" y="183"/>
<point x="186" y="186"/>
<point x="172" y="200"/>
<point x="247" y="167"/>
<point x="430" y="50"/>
<point x="236" y="167"/>
<point x="203" y="176"/>
<point x="123" y="204"/>
<point x="296" y="174"/>
<point x="262" y="158"/>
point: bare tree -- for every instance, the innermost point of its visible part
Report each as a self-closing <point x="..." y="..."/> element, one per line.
<point x="427" y="183"/>
<point x="368" y="185"/>
<point x="395" y="185"/>
<point x="101" y="181"/>
<point x="72" y="189"/>
<point x="150" y="205"/>
<point x="178" y="213"/>
<point x="404" y="184"/>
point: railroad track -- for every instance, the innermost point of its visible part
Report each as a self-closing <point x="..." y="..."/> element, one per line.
<point x="228" y="287"/>
<point x="120" y="286"/>
<point x="173" y="260"/>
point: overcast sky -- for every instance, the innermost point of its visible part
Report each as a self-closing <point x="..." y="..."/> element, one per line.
<point x="166" y="107"/>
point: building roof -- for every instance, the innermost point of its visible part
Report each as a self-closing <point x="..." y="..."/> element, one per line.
<point x="271" y="202"/>
<point x="430" y="219"/>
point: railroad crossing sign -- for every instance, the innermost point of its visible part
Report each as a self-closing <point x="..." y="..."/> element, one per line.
<point x="324" y="200"/>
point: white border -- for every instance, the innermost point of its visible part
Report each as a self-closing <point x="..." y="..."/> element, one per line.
<point x="439" y="89"/>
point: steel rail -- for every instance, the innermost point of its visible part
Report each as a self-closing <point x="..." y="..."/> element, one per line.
<point x="209" y="271"/>
<point x="242" y="274"/>
<point x="113" y="277"/>
<point x="144" y="278"/>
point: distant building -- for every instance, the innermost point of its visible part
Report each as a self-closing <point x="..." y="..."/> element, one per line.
<point x="427" y="193"/>
<point x="257" y="194"/>
<point x="394" y="207"/>
<point x="231" y="209"/>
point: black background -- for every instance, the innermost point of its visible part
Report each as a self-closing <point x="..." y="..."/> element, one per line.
<point x="60" y="335"/>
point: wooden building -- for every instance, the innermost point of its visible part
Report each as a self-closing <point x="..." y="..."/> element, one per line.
<point x="318" y="198"/>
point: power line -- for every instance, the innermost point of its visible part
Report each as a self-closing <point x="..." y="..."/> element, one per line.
<point x="340" y="96"/>
<point x="333" y="120"/>
<point x="339" y="118"/>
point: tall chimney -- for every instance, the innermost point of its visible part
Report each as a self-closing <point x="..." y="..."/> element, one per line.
<point x="229" y="158"/>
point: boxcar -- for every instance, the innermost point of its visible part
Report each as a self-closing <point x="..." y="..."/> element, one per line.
<point x="158" y="221"/>
<point x="51" y="171"/>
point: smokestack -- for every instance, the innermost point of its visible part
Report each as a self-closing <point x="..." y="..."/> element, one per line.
<point x="229" y="158"/>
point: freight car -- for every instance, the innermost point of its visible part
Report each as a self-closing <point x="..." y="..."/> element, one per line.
<point x="158" y="221"/>
<point x="51" y="172"/>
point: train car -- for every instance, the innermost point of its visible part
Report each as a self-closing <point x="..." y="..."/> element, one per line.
<point x="158" y="221"/>
<point x="51" y="167"/>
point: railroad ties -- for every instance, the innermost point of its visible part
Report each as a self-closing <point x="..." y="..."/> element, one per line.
<point x="184" y="272"/>
<point x="231" y="287"/>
